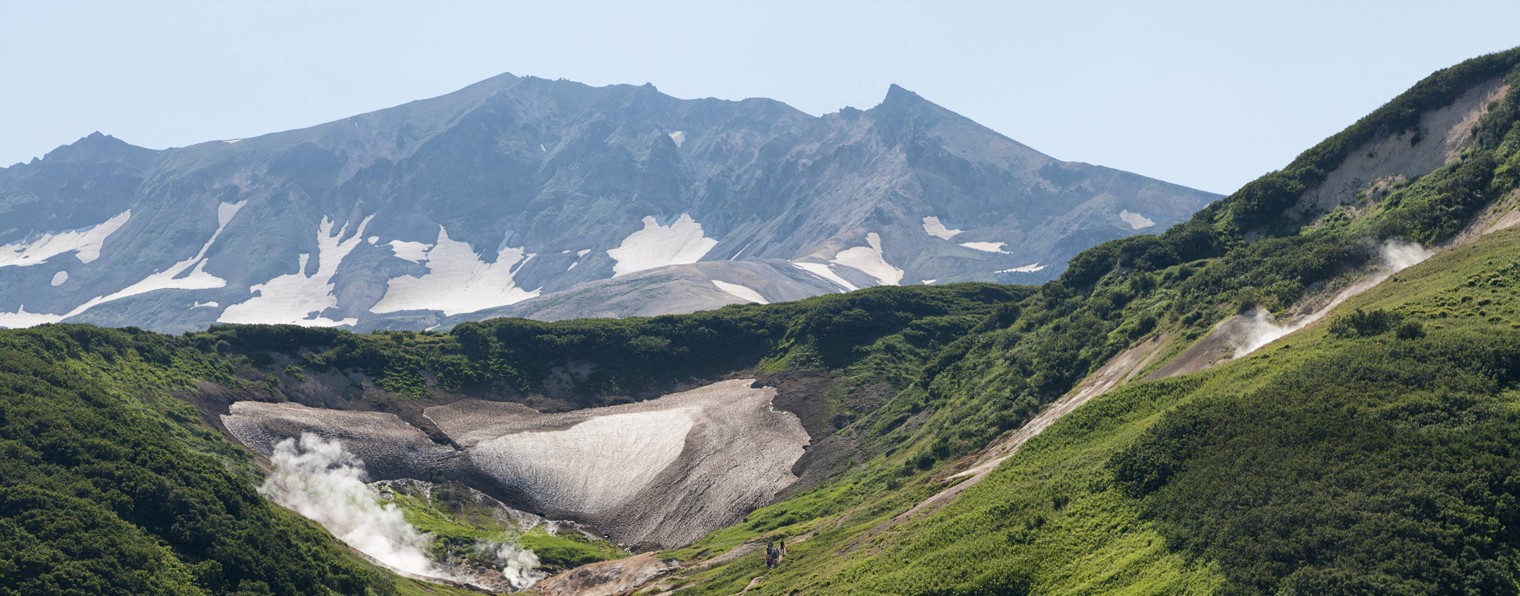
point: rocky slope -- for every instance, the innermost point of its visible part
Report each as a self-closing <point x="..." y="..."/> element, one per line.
<point x="512" y="195"/>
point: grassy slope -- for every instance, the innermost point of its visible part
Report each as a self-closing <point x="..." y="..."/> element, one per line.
<point x="1050" y="519"/>
<point x="962" y="364"/>
<point x="110" y="484"/>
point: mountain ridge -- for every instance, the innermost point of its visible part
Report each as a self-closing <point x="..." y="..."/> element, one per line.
<point x="541" y="170"/>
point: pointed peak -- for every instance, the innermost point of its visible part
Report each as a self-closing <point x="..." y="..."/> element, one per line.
<point x="897" y="92"/>
<point x="96" y="145"/>
<point x="900" y="99"/>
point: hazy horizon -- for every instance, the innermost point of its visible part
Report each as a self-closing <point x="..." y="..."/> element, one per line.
<point x="1199" y="94"/>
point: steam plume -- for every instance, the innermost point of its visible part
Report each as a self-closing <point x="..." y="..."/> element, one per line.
<point x="1262" y="328"/>
<point x="321" y="480"/>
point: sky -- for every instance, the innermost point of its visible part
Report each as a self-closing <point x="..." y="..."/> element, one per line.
<point x="1206" y="94"/>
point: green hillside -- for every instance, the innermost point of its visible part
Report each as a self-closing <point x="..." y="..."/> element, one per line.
<point x="1369" y="453"/>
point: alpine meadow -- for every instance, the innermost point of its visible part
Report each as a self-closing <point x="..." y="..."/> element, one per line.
<point x="545" y="337"/>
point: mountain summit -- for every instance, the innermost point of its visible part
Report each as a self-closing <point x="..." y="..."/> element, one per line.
<point x="549" y="199"/>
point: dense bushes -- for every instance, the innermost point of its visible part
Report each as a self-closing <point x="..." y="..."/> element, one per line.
<point x="594" y="358"/>
<point x="1376" y="468"/>
<point x="102" y="492"/>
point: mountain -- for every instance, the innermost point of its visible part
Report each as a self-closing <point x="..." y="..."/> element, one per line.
<point x="1308" y="386"/>
<point x="529" y="197"/>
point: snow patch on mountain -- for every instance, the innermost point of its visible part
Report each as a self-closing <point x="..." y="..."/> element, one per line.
<point x="472" y="283"/>
<point x="654" y="246"/>
<point x="822" y="270"/>
<point x="933" y="227"/>
<point x="188" y="274"/>
<point x="870" y="260"/>
<point x="996" y="247"/>
<point x="296" y="298"/>
<point x="678" y="136"/>
<point x="741" y="292"/>
<point x="59" y="278"/>
<point x="85" y="243"/>
<point x="1030" y="268"/>
<point x="1135" y="220"/>
<point x="415" y="252"/>
<point x="21" y="318"/>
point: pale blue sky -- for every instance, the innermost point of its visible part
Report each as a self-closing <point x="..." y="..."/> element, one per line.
<point x="1208" y="94"/>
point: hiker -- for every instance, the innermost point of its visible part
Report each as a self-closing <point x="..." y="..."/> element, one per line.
<point x="770" y="555"/>
<point x="780" y="551"/>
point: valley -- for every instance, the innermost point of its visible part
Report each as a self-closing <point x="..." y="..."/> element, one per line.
<point x="1307" y="386"/>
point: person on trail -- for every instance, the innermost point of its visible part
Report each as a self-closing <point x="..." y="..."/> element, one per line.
<point x="770" y="555"/>
<point x="780" y="551"/>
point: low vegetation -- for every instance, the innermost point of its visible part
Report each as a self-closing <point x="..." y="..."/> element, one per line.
<point x="1371" y="453"/>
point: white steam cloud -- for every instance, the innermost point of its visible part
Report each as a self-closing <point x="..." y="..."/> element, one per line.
<point x="518" y="565"/>
<point x="321" y="480"/>
<point x="1261" y="328"/>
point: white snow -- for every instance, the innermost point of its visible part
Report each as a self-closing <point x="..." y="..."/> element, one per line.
<point x="678" y="136"/>
<point x="458" y="281"/>
<point x="372" y="239"/>
<point x="415" y="252"/>
<point x="606" y="456"/>
<point x="85" y="243"/>
<point x="1030" y="268"/>
<point x="996" y="247"/>
<point x="188" y="274"/>
<point x="297" y="298"/>
<point x="21" y="318"/>
<point x="231" y="141"/>
<point x="741" y="292"/>
<point x="1135" y="220"/>
<point x="822" y="270"/>
<point x="209" y="304"/>
<point x="572" y="265"/>
<point x="741" y="251"/>
<point x="59" y="278"/>
<point x="869" y="260"/>
<point x="583" y="252"/>
<point x="657" y="246"/>
<point x="933" y="227"/>
<point x="930" y="282"/>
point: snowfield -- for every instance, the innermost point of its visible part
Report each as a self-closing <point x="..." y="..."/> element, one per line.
<point x="740" y="292"/>
<point x="85" y="243"/>
<point x="21" y="318"/>
<point x="996" y="247"/>
<point x="297" y="298"/>
<point x="471" y="283"/>
<point x="933" y="227"/>
<point x="1030" y="268"/>
<point x="822" y="270"/>
<point x="1135" y="220"/>
<point x="654" y="246"/>
<point x="664" y="471"/>
<point x="871" y="261"/>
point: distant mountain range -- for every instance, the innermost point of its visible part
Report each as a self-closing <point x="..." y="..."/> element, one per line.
<point x="547" y="199"/>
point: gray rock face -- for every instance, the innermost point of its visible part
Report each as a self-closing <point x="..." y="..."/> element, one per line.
<point x="551" y="199"/>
